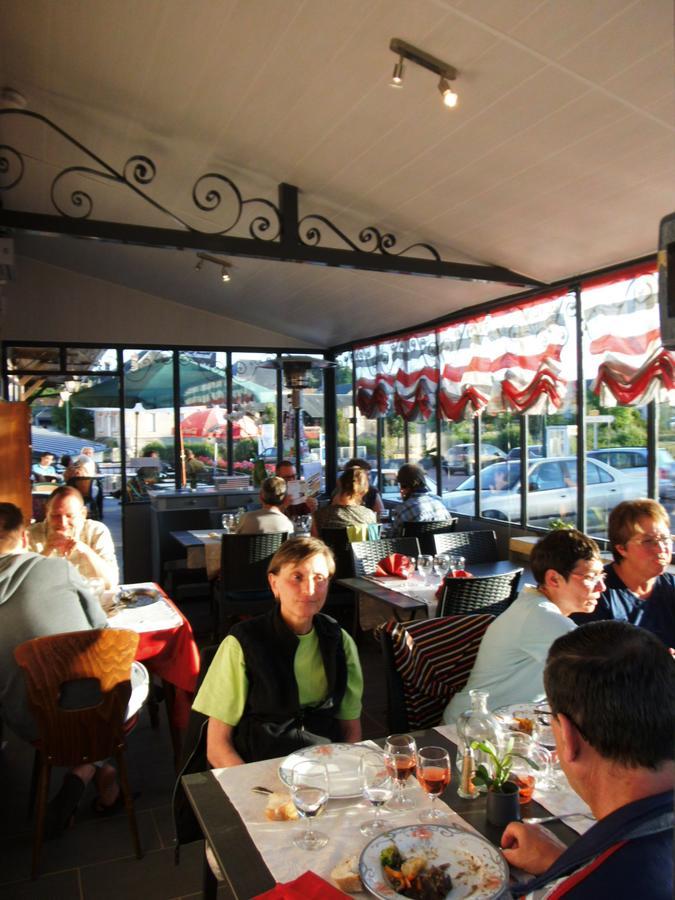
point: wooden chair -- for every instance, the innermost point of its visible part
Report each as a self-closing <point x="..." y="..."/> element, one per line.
<point x="474" y="546"/>
<point x="73" y="736"/>
<point x="242" y="588"/>
<point x="367" y="554"/>
<point x="487" y="594"/>
<point x="426" y="663"/>
<point x="425" y="531"/>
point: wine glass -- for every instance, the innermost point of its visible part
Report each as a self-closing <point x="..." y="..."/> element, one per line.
<point x="425" y="565"/>
<point x="378" y="788"/>
<point x="457" y="563"/>
<point x="433" y="773"/>
<point x="309" y="790"/>
<point x="400" y="757"/>
<point x="441" y="565"/>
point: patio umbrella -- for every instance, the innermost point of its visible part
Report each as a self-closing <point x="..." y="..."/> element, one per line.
<point x="205" y="423"/>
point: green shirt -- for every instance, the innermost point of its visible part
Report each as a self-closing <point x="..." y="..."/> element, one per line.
<point x="225" y="688"/>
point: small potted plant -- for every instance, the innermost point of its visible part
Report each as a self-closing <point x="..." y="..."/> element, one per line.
<point x="503" y="804"/>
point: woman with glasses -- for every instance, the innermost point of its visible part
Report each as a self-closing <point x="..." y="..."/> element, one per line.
<point x="638" y="587"/>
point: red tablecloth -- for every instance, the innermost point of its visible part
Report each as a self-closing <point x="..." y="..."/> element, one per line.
<point x="172" y="655"/>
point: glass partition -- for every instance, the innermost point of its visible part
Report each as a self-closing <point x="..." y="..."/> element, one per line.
<point x="203" y="414"/>
<point x="312" y="436"/>
<point x="254" y="403"/>
<point x="345" y="409"/>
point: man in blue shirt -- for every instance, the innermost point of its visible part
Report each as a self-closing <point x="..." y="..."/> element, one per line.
<point x="611" y="688"/>
<point x="44" y="469"/>
<point x="419" y="505"/>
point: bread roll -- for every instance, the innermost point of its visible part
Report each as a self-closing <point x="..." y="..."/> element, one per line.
<point x="280" y="807"/>
<point x="346" y="875"/>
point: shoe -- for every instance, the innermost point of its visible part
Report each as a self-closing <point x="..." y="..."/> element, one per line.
<point x="101" y="810"/>
<point x="62" y="807"/>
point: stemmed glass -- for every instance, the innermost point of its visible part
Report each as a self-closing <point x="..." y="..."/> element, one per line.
<point x="309" y="790"/>
<point x="433" y="773"/>
<point x="457" y="563"/>
<point x="400" y="757"/>
<point x="441" y="565"/>
<point x="425" y="565"/>
<point x="378" y="788"/>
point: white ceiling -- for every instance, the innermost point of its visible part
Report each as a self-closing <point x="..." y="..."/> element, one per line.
<point x="559" y="159"/>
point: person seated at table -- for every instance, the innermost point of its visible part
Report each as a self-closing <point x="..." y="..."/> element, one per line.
<point x="611" y="689"/>
<point x="568" y="570"/>
<point x="66" y="531"/>
<point x="419" y="504"/>
<point x="286" y="470"/>
<point x="88" y="453"/>
<point x="270" y="519"/>
<point x="346" y="507"/>
<point x="372" y="499"/>
<point x="150" y="474"/>
<point x="638" y="587"/>
<point x="193" y="467"/>
<point x="40" y="597"/>
<point x="44" y="471"/>
<point x="289" y="678"/>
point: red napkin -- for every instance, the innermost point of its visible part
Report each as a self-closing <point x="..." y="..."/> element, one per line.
<point x="307" y="887"/>
<point x="395" y="564"/>
<point x="459" y="573"/>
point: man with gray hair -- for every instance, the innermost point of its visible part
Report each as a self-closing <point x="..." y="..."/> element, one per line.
<point x="419" y="505"/>
<point x="270" y="519"/>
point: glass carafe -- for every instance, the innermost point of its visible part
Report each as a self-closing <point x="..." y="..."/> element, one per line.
<point x="477" y="724"/>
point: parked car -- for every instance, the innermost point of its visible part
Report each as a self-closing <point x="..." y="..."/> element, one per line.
<point x="460" y="458"/>
<point x="633" y="461"/>
<point x="552" y="486"/>
<point x="534" y="451"/>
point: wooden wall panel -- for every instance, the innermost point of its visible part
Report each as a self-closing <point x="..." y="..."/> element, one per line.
<point x="15" y="486"/>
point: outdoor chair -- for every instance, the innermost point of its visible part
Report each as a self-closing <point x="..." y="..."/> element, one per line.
<point x="474" y="546"/>
<point x="367" y="554"/>
<point x="242" y="587"/>
<point x="487" y="594"/>
<point x="72" y="736"/>
<point x="426" y="663"/>
<point x="425" y="531"/>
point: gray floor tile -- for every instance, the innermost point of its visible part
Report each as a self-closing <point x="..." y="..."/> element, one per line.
<point x="155" y="877"/>
<point x="62" y="886"/>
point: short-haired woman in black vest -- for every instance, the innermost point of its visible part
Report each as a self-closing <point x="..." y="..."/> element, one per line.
<point x="288" y="678"/>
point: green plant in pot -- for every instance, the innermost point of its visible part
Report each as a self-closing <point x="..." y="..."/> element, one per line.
<point x="503" y="802"/>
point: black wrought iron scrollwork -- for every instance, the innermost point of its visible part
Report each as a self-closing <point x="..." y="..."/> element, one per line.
<point x="213" y="197"/>
<point x="371" y="239"/>
<point x="7" y="156"/>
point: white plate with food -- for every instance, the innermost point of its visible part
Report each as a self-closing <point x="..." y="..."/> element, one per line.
<point x="445" y="861"/>
<point x="530" y="718"/>
<point x="342" y="761"/>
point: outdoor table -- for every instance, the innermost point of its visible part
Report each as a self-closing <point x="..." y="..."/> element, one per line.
<point x="231" y="815"/>
<point x="202" y="548"/>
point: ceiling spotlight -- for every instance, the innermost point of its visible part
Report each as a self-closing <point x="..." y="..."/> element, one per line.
<point x="449" y="96"/>
<point x="225" y="275"/>
<point x="397" y="77"/>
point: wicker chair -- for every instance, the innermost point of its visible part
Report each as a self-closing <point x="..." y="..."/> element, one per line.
<point x="426" y="663"/>
<point x="341" y="603"/>
<point x="367" y="554"/>
<point x="425" y="531"/>
<point x="489" y="594"/>
<point x="71" y="736"/>
<point x="474" y="546"/>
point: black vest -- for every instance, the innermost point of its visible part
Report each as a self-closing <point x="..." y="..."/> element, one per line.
<point x="273" y="722"/>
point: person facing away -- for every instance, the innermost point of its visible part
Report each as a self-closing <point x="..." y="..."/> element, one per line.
<point x="67" y="532"/>
<point x="269" y="519"/>
<point x="347" y="507"/>
<point x="372" y="498"/>
<point x="419" y="505"/>
<point x="639" y="589"/>
<point x="568" y="570"/>
<point x="611" y="689"/>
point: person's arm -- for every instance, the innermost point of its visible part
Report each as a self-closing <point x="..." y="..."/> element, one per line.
<point x="220" y="750"/>
<point x="351" y="730"/>
<point x="315" y="527"/>
<point x="378" y="504"/>
<point x="349" y="712"/>
<point x="530" y="847"/>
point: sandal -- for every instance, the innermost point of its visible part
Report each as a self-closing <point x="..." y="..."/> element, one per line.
<point x="62" y="807"/>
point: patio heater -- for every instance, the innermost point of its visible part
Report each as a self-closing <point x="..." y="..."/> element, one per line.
<point x="296" y="371"/>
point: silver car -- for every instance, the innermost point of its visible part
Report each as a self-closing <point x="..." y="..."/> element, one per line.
<point x="552" y="487"/>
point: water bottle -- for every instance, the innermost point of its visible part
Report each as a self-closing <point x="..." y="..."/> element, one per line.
<point x="477" y="724"/>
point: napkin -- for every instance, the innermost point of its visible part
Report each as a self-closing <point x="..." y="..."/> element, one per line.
<point x="395" y="564"/>
<point x="458" y="573"/>
<point x="307" y="887"/>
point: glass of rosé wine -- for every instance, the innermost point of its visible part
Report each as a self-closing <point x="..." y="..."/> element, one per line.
<point x="400" y="758"/>
<point x="433" y="774"/>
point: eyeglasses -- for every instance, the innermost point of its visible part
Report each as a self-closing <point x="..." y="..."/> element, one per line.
<point x="590" y="581"/>
<point x="658" y="540"/>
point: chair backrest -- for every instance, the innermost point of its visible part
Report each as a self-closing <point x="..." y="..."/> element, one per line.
<point x="490" y="593"/>
<point x="367" y="554"/>
<point x="425" y="531"/>
<point x="474" y="546"/>
<point x="426" y="663"/>
<point x="69" y="736"/>
<point x="338" y="541"/>
<point x="244" y="560"/>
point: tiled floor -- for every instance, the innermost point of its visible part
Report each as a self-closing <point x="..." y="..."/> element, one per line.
<point x="94" y="860"/>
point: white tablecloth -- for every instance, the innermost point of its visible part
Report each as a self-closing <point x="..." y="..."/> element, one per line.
<point x="156" y="616"/>
<point x="210" y="551"/>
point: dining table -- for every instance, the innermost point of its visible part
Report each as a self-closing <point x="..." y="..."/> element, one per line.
<point x="167" y="647"/>
<point x="231" y="814"/>
<point x="408" y="596"/>
<point x="202" y="548"/>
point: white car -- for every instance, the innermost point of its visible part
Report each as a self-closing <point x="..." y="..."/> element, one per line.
<point x="552" y="491"/>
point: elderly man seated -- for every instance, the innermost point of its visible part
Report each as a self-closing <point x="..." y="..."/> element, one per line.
<point x="419" y="505"/>
<point x="67" y="532"/>
<point x="270" y="519"/>
<point x="611" y="688"/>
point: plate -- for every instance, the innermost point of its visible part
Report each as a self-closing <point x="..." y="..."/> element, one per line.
<point x="342" y="762"/>
<point x="536" y="713"/>
<point x="478" y="870"/>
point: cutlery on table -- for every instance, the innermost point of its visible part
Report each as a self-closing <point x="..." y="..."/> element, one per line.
<point x="539" y="820"/>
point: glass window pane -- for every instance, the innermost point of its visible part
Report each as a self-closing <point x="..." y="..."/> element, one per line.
<point x="90" y="359"/>
<point x="312" y="425"/>
<point x="46" y="358"/>
<point x="254" y="397"/>
<point x="203" y="414"/>
<point x="148" y="417"/>
<point x="345" y="408"/>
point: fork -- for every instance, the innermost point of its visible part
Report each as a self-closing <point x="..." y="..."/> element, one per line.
<point x="539" y="820"/>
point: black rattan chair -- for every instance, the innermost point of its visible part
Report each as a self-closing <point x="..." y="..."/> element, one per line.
<point x="425" y="531"/>
<point x="341" y="603"/>
<point x="242" y="587"/>
<point x="474" y="546"/>
<point x="489" y="594"/>
<point x="367" y="554"/>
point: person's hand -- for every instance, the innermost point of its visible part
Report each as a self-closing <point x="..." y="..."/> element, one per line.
<point x="530" y="847"/>
<point x="61" y="544"/>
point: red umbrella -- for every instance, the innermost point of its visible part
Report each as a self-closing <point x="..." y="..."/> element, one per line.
<point x="211" y="423"/>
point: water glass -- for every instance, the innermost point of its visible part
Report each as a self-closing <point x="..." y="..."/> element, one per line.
<point x="528" y="777"/>
<point x="457" y="563"/>
<point x="400" y="759"/>
<point x="425" y="565"/>
<point x="441" y="565"/>
<point x="433" y="773"/>
<point x="228" y="522"/>
<point x="309" y="790"/>
<point x="377" y="787"/>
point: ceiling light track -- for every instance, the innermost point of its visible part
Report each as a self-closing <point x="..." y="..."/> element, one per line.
<point x="444" y="70"/>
